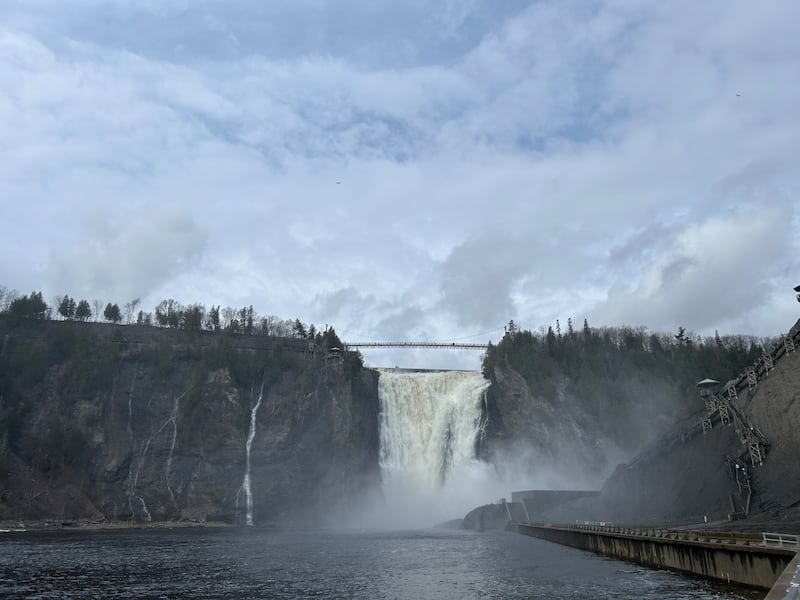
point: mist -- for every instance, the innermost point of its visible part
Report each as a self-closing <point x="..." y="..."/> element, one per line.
<point x="431" y="426"/>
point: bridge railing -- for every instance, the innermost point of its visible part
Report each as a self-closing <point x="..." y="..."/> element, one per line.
<point x="442" y="345"/>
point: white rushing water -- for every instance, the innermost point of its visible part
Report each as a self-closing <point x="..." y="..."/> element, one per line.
<point x="429" y="426"/>
<point x="136" y="504"/>
<point x="245" y="489"/>
<point x="173" y="418"/>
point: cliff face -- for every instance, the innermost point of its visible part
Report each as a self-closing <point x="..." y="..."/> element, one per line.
<point x="557" y="440"/>
<point x="137" y="423"/>
<point x="565" y="408"/>
<point x="687" y="475"/>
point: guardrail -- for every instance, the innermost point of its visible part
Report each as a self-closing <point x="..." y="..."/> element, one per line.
<point x="780" y="540"/>
<point x="764" y="560"/>
<point x="784" y="540"/>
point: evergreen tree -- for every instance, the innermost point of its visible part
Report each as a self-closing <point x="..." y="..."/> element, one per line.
<point x="112" y="313"/>
<point x="193" y="316"/>
<point x="331" y="340"/>
<point x="551" y="341"/>
<point x="212" y="322"/>
<point x="251" y="318"/>
<point x="29" y="307"/>
<point x="83" y="311"/>
<point x="66" y="307"/>
<point x="511" y="328"/>
<point x="299" y="328"/>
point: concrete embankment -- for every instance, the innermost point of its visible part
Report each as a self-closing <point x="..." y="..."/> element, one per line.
<point x="738" y="559"/>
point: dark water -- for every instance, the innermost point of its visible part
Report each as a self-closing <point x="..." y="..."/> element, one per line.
<point x="248" y="563"/>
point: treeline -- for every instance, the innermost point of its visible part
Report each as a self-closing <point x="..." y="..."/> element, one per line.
<point x="613" y="366"/>
<point x="168" y="313"/>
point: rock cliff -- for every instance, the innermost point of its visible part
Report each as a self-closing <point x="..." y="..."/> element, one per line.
<point x="556" y="440"/>
<point x="135" y="423"/>
<point x="694" y="475"/>
<point x="564" y="409"/>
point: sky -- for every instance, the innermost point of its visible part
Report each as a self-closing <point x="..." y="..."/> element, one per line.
<point x="408" y="170"/>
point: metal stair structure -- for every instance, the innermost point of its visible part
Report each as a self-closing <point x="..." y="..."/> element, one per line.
<point x="725" y="409"/>
<point x="743" y="489"/>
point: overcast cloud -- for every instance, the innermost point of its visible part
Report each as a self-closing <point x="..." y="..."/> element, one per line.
<point x="625" y="162"/>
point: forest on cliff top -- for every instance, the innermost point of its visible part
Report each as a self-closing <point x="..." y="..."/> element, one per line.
<point x="598" y="365"/>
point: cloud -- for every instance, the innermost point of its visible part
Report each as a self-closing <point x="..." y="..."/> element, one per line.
<point x="477" y="278"/>
<point x="126" y="260"/>
<point x="714" y="272"/>
<point x="533" y="161"/>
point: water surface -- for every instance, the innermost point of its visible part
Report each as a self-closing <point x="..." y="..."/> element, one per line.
<point x="249" y="563"/>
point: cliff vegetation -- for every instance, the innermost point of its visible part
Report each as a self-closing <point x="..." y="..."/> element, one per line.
<point x="137" y="422"/>
<point x="588" y="398"/>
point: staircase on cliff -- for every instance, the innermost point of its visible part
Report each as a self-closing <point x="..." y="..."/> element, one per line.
<point x="725" y="410"/>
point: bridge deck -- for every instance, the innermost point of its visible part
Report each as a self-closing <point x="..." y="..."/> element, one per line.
<point x="450" y="345"/>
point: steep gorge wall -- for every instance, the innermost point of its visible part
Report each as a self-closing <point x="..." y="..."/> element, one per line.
<point x="685" y="476"/>
<point x="138" y="423"/>
<point x="556" y="439"/>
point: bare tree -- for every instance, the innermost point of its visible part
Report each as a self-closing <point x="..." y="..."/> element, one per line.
<point x="56" y="302"/>
<point x="269" y="325"/>
<point x="98" y="309"/>
<point x="7" y="296"/>
<point x="228" y="316"/>
<point x="130" y="308"/>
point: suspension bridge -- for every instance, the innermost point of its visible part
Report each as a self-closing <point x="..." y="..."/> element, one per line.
<point x="436" y="345"/>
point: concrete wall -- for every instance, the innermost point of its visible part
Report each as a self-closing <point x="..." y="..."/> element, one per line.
<point x="748" y="565"/>
<point x="517" y="512"/>
<point x="494" y="516"/>
<point x="538" y="502"/>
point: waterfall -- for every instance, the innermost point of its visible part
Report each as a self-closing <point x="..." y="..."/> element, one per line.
<point x="133" y="478"/>
<point x="245" y="489"/>
<point x="429" y="425"/>
<point x="173" y="418"/>
<point x="133" y="481"/>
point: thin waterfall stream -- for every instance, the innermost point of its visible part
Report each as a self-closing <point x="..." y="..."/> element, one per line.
<point x="245" y="489"/>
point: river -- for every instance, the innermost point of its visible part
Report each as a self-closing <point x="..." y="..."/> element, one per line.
<point x="254" y="563"/>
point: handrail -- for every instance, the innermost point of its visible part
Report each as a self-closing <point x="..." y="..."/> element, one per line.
<point x="740" y="382"/>
<point x="451" y="345"/>
<point x="781" y="539"/>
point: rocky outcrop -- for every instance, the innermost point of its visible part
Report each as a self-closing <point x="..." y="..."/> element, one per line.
<point x="138" y="423"/>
